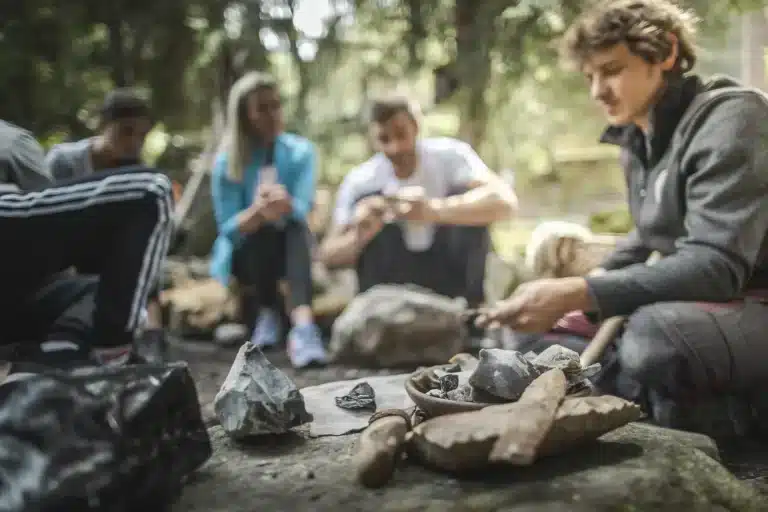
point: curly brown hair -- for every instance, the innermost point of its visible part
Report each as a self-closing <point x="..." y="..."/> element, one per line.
<point x="643" y="25"/>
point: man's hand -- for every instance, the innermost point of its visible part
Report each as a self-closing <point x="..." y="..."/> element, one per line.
<point x="370" y="216"/>
<point x="535" y="307"/>
<point x="412" y="203"/>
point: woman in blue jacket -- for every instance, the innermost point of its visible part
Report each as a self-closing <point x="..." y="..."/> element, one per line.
<point x="263" y="187"/>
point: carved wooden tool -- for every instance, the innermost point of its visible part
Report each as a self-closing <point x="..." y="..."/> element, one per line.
<point x="380" y="446"/>
<point x="519" y="442"/>
<point x="608" y="330"/>
<point x="463" y="442"/>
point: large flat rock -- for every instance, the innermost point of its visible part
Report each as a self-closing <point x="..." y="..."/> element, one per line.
<point x="637" y="467"/>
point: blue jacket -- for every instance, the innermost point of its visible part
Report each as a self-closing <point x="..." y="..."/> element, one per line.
<point x="295" y="162"/>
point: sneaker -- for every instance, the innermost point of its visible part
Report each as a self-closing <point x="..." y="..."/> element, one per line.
<point x="266" y="334"/>
<point x="305" y="347"/>
<point x="152" y="345"/>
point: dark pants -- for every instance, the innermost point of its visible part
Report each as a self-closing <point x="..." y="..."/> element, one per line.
<point x="454" y="265"/>
<point x="115" y="225"/>
<point x="271" y="254"/>
<point x="675" y="356"/>
<point x="60" y="311"/>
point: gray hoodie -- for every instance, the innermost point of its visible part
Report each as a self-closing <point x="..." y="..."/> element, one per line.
<point x="21" y="160"/>
<point x="698" y="194"/>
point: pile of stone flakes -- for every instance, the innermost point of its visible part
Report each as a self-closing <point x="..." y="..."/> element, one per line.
<point x="501" y="375"/>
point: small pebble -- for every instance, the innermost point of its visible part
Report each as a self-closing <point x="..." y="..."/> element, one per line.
<point x="309" y="475"/>
<point x="438" y="393"/>
<point x="449" y="382"/>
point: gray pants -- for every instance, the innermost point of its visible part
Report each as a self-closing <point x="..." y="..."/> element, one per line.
<point x="680" y="358"/>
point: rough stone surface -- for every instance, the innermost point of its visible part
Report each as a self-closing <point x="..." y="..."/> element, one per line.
<point x="637" y="467"/>
<point x="257" y="398"/>
<point x="392" y="325"/>
<point x="503" y="373"/>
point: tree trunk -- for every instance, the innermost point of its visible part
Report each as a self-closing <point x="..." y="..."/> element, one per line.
<point x="753" y="38"/>
<point x="119" y="71"/>
<point x="474" y="33"/>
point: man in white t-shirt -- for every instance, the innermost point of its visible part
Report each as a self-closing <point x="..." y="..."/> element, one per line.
<point x="417" y="211"/>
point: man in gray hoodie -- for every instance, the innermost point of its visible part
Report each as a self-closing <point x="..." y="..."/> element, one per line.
<point x="695" y="155"/>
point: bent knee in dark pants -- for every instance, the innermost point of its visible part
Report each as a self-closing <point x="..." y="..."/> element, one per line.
<point x="454" y="265"/>
<point x="684" y="350"/>
<point x="273" y="253"/>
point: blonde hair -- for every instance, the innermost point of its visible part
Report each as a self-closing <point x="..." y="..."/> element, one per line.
<point x="236" y="137"/>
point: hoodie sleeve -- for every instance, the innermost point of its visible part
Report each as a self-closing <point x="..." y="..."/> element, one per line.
<point x="628" y="252"/>
<point x="27" y="163"/>
<point x="726" y="220"/>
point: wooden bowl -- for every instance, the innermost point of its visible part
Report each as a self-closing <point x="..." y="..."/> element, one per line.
<point x="416" y="387"/>
<point x="420" y="382"/>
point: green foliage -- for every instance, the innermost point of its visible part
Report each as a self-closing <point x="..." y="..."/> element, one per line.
<point x="616" y="222"/>
<point x="58" y="59"/>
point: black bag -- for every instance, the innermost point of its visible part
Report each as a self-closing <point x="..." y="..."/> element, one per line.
<point x="99" y="439"/>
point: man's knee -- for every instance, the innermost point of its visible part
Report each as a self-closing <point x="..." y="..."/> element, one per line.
<point x="646" y="350"/>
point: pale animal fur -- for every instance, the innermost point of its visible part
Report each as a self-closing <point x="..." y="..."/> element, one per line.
<point x="560" y="249"/>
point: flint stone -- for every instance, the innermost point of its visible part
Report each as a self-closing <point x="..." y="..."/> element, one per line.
<point x="637" y="467"/>
<point x="565" y="359"/>
<point x="449" y="382"/>
<point x="257" y="398"/>
<point x="503" y="373"/>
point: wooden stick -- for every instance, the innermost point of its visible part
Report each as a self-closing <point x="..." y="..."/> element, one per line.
<point x="379" y="447"/>
<point x="608" y="330"/>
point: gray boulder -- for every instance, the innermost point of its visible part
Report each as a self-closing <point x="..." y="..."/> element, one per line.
<point x="257" y="398"/>
<point x="398" y="325"/>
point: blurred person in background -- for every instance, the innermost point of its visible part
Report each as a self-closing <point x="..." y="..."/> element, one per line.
<point x="125" y="120"/>
<point x="263" y="188"/>
<point x="418" y="211"/>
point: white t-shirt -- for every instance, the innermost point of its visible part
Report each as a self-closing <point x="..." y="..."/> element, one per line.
<point x="444" y="166"/>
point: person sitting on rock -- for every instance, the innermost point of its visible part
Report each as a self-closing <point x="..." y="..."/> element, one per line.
<point x="125" y="121"/>
<point x="263" y="187"/>
<point x="117" y="224"/>
<point x="695" y="156"/>
<point x="418" y="211"/>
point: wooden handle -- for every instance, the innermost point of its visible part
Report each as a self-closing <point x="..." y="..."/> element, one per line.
<point x="608" y="330"/>
<point x="379" y="447"/>
<point x="603" y="337"/>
